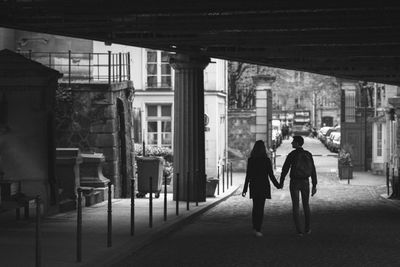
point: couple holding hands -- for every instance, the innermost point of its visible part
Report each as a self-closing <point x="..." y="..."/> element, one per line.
<point x="259" y="168"/>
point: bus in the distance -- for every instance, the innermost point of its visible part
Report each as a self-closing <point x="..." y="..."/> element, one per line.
<point x="301" y="122"/>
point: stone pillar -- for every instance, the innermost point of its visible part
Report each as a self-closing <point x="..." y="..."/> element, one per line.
<point x="92" y="170"/>
<point x="67" y="173"/>
<point x="395" y="102"/>
<point x="189" y="138"/>
<point x="264" y="108"/>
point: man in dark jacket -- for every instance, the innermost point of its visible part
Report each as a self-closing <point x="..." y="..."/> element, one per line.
<point x="299" y="183"/>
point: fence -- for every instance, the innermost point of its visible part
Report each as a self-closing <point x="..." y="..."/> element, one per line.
<point x="85" y="67"/>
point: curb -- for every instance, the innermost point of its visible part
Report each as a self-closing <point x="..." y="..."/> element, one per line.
<point x="129" y="248"/>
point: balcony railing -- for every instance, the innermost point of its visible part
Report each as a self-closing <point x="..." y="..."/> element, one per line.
<point x="85" y="67"/>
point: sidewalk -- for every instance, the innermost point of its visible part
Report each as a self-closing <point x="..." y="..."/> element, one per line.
<point x="17" y="238"/>
<point x="366" y="178"/>
<point x="58" y="232"/>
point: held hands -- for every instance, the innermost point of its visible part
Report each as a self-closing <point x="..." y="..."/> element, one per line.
<point x="313" y="191"/>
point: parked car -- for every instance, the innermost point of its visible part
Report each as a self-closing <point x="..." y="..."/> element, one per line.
<point x="322" y="132"/>
<point x="330" y="140"/>
<point x="336" y="142"/>
<point x="326" y="134"/>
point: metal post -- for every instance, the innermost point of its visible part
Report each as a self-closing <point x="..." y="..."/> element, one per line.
<point x="392" y="180"/>
<point x="218" y="179"/>
<point x="69" y="68"/>
<point x="109" y="218"/>
<point x="98" y="67"/>
<point x="177" y="194"/>
<point x="129" y="66"/>
<point x="231" y="174"/>
<point x="197" y="186"/>
<point x="144" y="148"/>
<point x="79" y="227"/>
<point x="387" y="178"/>
<point x="165" y="197"/>
<point x="223" y="178"/>
<point x="38" y="235"/>
<point x="187" y="190"/>
<point x="132" y="206"/>
<point x="109" y="67"/>
<point x="120" y="66"/>
<point x="90" y="55"/>
<point x="227" y="175"/>
<point x="151" y="202"/>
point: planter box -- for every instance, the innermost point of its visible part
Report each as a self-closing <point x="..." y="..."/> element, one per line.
<point x="211" y="185"/>
<point x="345" y="172"/>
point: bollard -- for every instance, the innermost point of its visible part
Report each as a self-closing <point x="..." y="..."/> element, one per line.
<point x="231" y="174"/>
<point x="109" y="218"/>
<point x="177" y="194"/>
<point x="79" y="227"/>
<point x="387" y="178"/>
<point x="223" y="178"/>
<point x="227" y="176"/>
<point x="132" y="206"/>
<point x="151" y="202"/>
<point x="38" y="235"/>
<point x="187" y="190"/>
<point x="392" y="178"/>
<point x="218" y="180"/>
<point x="348" y="179"/>
<point x="197" y="187"/>
<point x="165" y="197"/>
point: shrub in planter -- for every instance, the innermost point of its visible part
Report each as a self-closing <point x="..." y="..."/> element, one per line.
<point x="345" y="165"/>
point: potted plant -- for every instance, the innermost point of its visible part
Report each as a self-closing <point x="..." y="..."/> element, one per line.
<point x="345" y="165"/>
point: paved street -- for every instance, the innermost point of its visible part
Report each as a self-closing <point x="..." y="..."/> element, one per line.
<point x="352" y="225"/>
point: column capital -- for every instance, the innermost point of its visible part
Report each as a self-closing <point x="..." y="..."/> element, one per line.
<point x="192" y="61"/>
<point x="263" y="79"/>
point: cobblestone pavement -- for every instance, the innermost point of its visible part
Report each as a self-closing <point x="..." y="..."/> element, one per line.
<point x="351" y="226"/>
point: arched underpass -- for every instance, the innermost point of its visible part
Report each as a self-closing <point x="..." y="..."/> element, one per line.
<point x="352" y="225"/>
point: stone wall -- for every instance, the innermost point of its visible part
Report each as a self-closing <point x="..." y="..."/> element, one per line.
<point x="87" y="118"/>
<point x="241" y="137"/>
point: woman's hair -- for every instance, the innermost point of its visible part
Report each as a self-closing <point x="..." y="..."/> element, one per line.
<point x="258" y="150"/>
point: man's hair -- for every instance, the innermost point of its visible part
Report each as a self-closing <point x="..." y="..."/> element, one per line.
<point x="298" y="139"/>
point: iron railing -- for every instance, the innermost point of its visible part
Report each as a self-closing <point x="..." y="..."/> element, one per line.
<point x="85" y="67"/>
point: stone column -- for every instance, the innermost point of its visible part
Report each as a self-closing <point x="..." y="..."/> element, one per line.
<point x="91" y="170"/>
<point x="395" y="102"/>
<point x="264" y="108"/>
<point x="67" y="172"/>
<point x="189" y="138"/>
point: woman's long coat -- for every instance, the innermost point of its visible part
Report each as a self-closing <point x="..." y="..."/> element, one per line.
<point x="257" y="173"/>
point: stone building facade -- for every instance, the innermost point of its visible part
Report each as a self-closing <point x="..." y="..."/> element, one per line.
<point x="96" y="118"/>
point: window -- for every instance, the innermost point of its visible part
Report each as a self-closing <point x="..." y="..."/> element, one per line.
<point x="379" y="140"/>
<point x="159" y="125"/>
<point x="158" y="69"/>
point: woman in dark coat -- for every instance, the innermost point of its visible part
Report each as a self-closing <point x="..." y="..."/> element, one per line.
<point x="259" y="168"/>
